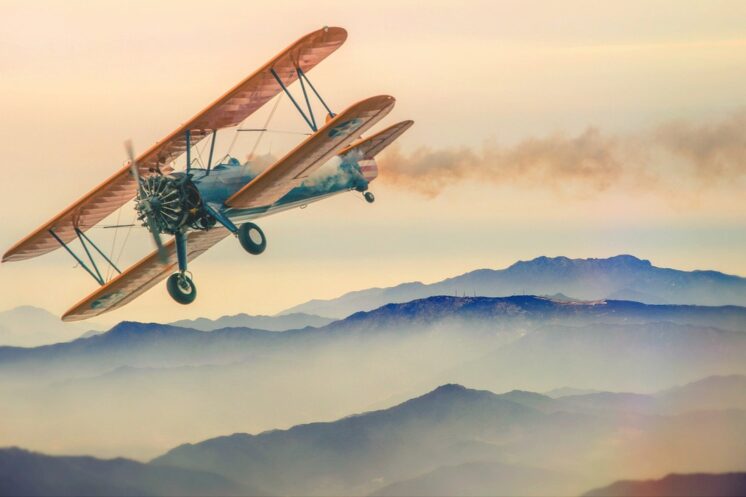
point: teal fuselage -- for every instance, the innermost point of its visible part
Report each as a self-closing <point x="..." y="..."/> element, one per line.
<point x="338" y="175"/>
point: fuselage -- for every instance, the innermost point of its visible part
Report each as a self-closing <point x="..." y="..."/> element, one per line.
<point x="340" y="174"/>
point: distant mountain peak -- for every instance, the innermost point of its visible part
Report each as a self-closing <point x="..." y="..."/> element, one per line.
<point x="562" y="261"/>
<point x="630" y="259"/>
<point x="28" y="308"/>
<point x="133" y="329"/>
<point x="449" y="388"/>
<point x="447" y="394"/>
<point x="129" y="327"/>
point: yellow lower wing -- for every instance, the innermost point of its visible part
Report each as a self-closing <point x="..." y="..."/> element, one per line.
<point x="142" y="276"/>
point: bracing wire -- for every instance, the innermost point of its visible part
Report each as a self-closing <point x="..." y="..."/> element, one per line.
<point x="266" y="125"/>
<point x="201" y="160"/>
<point x="124" y="243"/>
<point x="113" y="244"/>
<point x="235" y="134"/>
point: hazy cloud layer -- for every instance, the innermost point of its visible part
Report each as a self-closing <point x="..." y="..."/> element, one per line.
<point x="593" y="161"/>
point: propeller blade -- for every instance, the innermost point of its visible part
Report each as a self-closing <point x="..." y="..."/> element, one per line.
<point x="133" y="164"/>
<point x="162" y="252"/>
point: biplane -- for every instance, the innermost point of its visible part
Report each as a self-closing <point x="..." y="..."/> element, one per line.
<point x="204" y="203"/>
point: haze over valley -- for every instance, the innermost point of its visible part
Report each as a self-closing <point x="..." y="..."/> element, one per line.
<point x="626" y="380"/>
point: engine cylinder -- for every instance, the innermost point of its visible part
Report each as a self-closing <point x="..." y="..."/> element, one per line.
<point x="167" y="204"/>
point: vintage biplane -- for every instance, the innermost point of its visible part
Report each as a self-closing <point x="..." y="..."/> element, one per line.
<point x="204" y="203"/>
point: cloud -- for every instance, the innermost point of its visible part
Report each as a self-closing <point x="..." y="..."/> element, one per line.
<point x="588" y="163"/>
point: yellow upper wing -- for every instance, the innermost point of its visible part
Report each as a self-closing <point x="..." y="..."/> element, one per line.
<point x="229" y="110"/>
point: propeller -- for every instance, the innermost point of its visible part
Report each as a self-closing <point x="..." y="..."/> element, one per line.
<point x="149" y="220"/>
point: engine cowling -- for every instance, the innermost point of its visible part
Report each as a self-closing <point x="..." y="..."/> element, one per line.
<point x="167" y="204"/>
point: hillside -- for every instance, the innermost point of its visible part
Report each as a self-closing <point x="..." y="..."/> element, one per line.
<point x="689" y="485"/>
<point x="29" y="473"/>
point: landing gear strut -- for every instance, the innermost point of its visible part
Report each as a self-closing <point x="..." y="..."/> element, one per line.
<point x="179" y="285"/>
<point x="252" y="238"/>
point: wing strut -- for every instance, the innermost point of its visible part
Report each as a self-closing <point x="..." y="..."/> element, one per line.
<point x="95" y="273"/>
<point x="188" y="137"/>
<point x="302" y="76"/>
<point x="309" y="118"/>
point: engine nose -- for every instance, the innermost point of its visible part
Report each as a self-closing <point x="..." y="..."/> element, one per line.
<point x="160" y="204"/>
<point x="155" y="203"/>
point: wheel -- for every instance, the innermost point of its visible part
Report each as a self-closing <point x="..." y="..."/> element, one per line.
<point x="181" y="288"/>
<point x="252" y="238"/>
<point x="369" y="197"/>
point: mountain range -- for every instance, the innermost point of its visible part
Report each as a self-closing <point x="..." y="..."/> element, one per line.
<point x="454" y="437"/>
<point x="497" y="320"/>
<point x="139" y="389"/>
<point x="623" y="277"/>
<point x="150" y="376"/>
<point x="452" y="440"/>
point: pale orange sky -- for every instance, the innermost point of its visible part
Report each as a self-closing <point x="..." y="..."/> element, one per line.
<point x="80" y="78"/>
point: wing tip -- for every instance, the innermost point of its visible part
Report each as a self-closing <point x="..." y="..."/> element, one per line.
<point x="14" y="254"/>
<point x="333" y="35"/>
<point x="68" y="317"/>
<point x="379" y="100"/>
<point x="77" y="313"/>
<point x="335" y="30"/>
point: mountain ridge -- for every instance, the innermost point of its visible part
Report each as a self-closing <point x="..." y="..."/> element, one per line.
<point x="426" y="311"/>
<point x="284" y="322"/>
<point x="23" y="472"/>
<point x="678" y="485"/>
<point x="621" y="276"/>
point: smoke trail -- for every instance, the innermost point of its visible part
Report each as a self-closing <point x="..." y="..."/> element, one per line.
<point x="717" y="151"/>
<point x="584" y="164"/>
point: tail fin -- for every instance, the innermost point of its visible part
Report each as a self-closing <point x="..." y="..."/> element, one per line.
<point x="368" y="148"/>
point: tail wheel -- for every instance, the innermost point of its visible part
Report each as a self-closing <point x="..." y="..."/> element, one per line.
<point x="369" y="197"/>
<point x="252" y="238"/>
<point x="181" y="288"/>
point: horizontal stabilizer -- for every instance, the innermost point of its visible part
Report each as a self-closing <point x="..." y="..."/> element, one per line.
<point x="371" y="146"/>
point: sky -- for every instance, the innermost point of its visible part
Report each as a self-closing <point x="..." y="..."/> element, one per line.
<point x="575" y="128"/>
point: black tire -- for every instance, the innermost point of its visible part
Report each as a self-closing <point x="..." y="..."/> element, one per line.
<point x="369" y="197"/>
<point x="249" y="243"/>
<point x="181" y="288"/>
